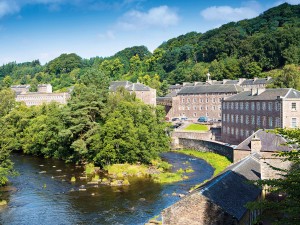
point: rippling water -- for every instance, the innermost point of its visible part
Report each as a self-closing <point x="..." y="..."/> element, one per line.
<point x="45" y="195"/>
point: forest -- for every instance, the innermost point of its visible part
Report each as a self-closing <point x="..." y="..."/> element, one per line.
<point x="104" y="128"/>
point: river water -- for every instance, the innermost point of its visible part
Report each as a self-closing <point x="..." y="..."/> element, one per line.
<point x="43" y="194"/>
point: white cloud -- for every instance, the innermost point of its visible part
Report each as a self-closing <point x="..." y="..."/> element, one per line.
<point x="108" y="35"/>
<point x="228" y="13"/>
<point x="8" y="7"/>
<point x="161" y="16"/>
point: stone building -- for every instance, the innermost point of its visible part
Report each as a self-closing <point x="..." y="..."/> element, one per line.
<point x="221" y="200"/>
<point x="266" y="144"/>
<point x="248" y="111"/>
<point x="143" y="92"/>
<point x="201" y="100"/>
<point x="43" y="95"/>
<point x="175" y="108"/>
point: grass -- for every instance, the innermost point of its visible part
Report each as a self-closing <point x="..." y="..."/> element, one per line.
<point x="218" y="162"/>
<point x="168" y="177"/>
<point x="89" y="168"/>
<point x="121" y="170"/>
<point x="197" y="127"/>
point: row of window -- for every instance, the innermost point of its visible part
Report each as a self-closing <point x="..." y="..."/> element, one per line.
<point x="199" y="108"/>
<point x="40" y="97"/>
<point x="195" y="100"/>
<point x="262" y="121"/>
<point x="253" y="105"/>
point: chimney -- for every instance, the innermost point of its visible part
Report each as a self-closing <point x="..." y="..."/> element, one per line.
<point x="241" y="80"/>
<point x="260" y="90"/>
<point x="255" y="144"/>
<point x="253" y="91"/>
<point x="255" y="78"/>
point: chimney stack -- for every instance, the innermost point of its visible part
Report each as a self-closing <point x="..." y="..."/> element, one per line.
<point x="255" y="144"/>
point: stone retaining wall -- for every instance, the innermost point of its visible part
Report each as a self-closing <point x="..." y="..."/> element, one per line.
<point x="207" y="146"/>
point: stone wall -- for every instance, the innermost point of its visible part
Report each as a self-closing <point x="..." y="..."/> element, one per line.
<point x="207" y="146"/>
<point x="196" y="209"/>
<point x="192" y="135"/>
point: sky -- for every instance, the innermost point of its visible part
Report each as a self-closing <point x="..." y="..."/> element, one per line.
<point x="45" y="29"/>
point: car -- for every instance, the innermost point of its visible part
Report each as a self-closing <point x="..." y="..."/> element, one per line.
<point x="175" y="119"/>
<point x="184" y="118"/>
<point x="202" y="119"/>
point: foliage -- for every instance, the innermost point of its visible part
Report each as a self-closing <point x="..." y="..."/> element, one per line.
<point x="197" y="127"/>
<point x="286" y="207"/>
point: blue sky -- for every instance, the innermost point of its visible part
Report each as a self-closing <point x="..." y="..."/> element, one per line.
<point x="44" y="29"/>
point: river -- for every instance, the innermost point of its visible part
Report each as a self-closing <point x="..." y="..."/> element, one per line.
<point x="43" y="194"/>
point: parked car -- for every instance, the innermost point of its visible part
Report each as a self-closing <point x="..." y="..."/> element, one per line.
<point x="203" y="119"/>
<point x="184" y="118"/>
<point x="175" y="119"/>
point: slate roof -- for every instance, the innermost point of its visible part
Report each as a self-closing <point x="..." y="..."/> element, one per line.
<point x="270" y="142"/>
<point x="268" y="94"/>
<point x="178" y="86"/>
<point x="231" y="82"/>
<point x="218" y="88"/>
<point x="128" y="86"/>
<point x="232" y="190"/>
<point x="257" y="81"/>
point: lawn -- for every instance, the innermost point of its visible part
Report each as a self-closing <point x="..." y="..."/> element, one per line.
<point x="197" y="127"/>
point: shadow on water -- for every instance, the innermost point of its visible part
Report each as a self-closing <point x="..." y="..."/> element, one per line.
<point x="44" y="194"/>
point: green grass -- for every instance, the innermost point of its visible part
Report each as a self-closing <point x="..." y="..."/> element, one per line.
<point x="126" y="169"/>
<point x="218" y="162"/>
<point x="197" y="127"/>
<point x="168" y="177"/>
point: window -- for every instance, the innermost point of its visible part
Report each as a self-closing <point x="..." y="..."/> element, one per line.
<point x="227" y="105"/>
<point x="188" y="108"/>
<point x="228" y="130"/>
<point x="224" y="117"/>
<point x="232" y="105"/>
<point x="237" y="132"/>
<point x="252" y="106"/>
<point x="277" y="122"/>
<point x="232" y="130"/>
<point x="277" y="106"/>
<point x="224" y="105"/>
<point x="241" y="105"/>
<point x="220" y="99"/>
<point x="224" y="130"/>
<point x="270" y="122"/>
<point x="182" y="100"/>
<point x="247" y="133"/>
<point x="263" y="106"/>
<point x="237" y="118"/>
<point x="188" y="100"/>
<point x="195" y="100"/>
<point x="214" y="108"/>
<point x="247" y="105"/>
<point x="195" y="114"/>
<point x="252" y="120"/>
<point x="201" y="108"/>
<point x="207" y="100"/>
<point x="242" y="132"/>
<point x="294" y="106"/>
<point x="264" y="121"/>
<point x="270" y="106"/>
<point x="214" y="100"/>
<point x="247" y="119"/>
<point x="294" y="122"/>
<point x="236" y="105"/>
<point x="201" y="100"/>
<point x="195" y="107"/>
<point x="258" y="120"/>
<point x="258" y="106"/>
<point x="232" y="118"/>
<point x="206" y="107"/>
<point x="228" y="117"/>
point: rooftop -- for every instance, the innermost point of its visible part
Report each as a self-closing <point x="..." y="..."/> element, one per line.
<point x="128" y="86"/>
<point x="267" y="94"/>
<point x="218" y="88"/>
<point x="231" y="190"/>
<point x="270" y="142"/>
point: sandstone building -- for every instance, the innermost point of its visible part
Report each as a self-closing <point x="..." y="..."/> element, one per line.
<point x="43" y="95"/>
<point x="197" y="99"/>
<point x="248" y="111"/>
<point x="143" y="92"/>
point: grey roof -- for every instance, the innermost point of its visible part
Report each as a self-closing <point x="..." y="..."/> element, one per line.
<point x="268" y="94"/>
<point x="176" y="86"/>
<point x="128" y="86"/>
<point x="270" y="142"/>
<point x="172" y="94"/>
<point x="231" y="82"/>
<point x="232" y="189"/>
<point x="257" y="81"/>
<point x="202" y="89"/>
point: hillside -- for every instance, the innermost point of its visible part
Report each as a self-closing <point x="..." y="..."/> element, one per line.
<point x="248" y="48"/>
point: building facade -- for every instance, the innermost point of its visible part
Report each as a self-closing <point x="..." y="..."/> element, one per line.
<point x="43" y="95"/>
<point x="248" y="111"/>
<point x="201" y="100"/>
<point x="143" y="92"/>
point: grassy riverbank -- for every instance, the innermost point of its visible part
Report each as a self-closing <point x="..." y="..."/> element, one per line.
<point x="197" y="127"/>
<point x="218" y="162"/>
